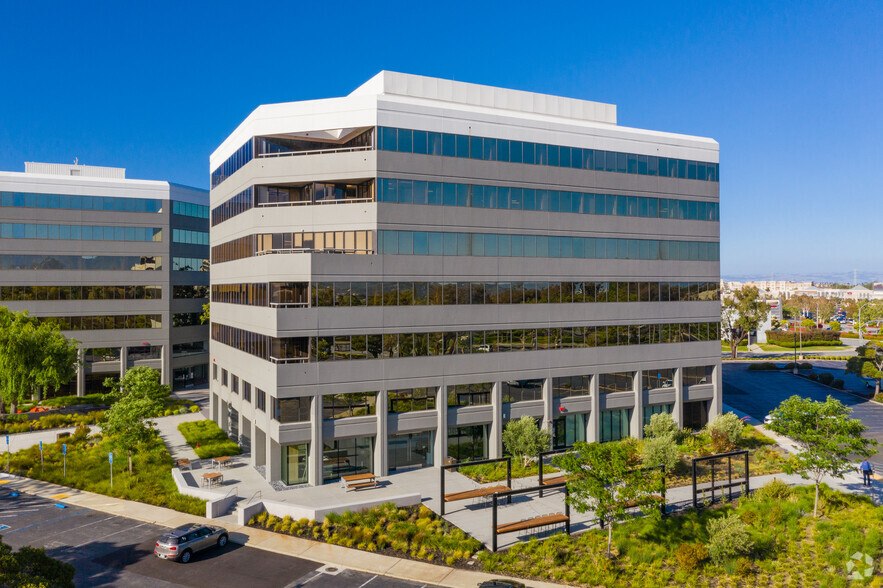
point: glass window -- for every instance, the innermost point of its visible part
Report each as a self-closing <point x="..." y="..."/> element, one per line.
<point x="468" y="443"/>
<point x="410" y="400"/>
<point x="614" y="424"/>
<point x="616" y="382"/>
<point x="568" y="386"/>
<point x="469" y="394"/>
<point x="338" y="406"/>
<point x="522" y="390"/>
<point x="295" y="464"/>
<point x="567" y="429"/>
<point x="410" y="450"/>
<point x="341" y="457"/>
<point x="694" y="376"/>
<point x="658" y="378"/>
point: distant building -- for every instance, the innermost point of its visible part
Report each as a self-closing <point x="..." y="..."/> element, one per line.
<point x="120" y="264"/>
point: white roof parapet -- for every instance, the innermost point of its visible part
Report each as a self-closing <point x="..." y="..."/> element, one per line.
<point x="414" y="86"/>
<point x="75" y="169"/>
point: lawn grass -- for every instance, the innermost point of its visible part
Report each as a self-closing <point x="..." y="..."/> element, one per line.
<point x="208" y="440"/>
<point x="88" y="469"/>
<point x="790" y="547"/>
<point x="496" y="472"/>
<point x="410" y="532"/>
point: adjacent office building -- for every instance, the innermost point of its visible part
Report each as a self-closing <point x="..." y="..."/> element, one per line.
<point x="398" y="273"/>
<point x="120" y="264"/>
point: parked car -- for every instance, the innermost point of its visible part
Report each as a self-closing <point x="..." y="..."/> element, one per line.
<point x="768" y="419"/>
<point x="181" y="543"/>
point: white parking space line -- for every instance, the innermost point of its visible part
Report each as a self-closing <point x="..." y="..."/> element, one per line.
<point x="96" y="539"/>
<point x="368" y="581"/>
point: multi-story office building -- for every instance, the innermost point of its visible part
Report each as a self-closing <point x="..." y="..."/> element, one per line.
<point x="399" y="272"/>
<point x="121" y="264"/>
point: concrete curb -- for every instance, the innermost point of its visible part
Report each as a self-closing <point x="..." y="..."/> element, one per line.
<point x="322" y="553"/>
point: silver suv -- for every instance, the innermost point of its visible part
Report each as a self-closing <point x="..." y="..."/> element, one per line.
<point x="181" y="543"/>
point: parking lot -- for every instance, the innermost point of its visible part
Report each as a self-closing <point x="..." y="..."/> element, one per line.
<point x="759" y="392"/>
<point x="109" y="550"/>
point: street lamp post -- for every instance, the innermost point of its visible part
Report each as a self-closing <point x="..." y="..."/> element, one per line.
<point x="795" y="350"/>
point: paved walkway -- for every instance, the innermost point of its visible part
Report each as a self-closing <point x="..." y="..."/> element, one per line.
<point x="172" y="437"/>
<point x="19" y="441"/>
<point x="312" y="550"/>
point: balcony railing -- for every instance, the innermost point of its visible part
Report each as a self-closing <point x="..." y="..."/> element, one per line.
<point x="309" y="250"/>
<point x="289" y="359"/>
<point x="307" y="202"/>
<point x="317" y="151"/>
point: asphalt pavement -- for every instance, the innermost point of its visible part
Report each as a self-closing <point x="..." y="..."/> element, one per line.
<point x="757" y="393"/>
<point x="109" y="550"/>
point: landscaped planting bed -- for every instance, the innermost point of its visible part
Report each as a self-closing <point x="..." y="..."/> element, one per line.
<point x="786" y="547"/>
<point x="19" y="424"/>
<point x="411" y="532"/>
<point x="208" y="440"/>
<point x="88" y="469"/>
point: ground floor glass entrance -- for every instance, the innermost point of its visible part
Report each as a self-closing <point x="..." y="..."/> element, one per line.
<point x="568" y="429"/>
<point x="342" y="457"/>
<point x="468" y="443"/>
<point x="410" y="450"/>
<point x="295" y="463"/>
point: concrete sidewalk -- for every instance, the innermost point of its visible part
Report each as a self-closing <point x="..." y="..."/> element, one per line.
<point x="323" y="553"/>
<point x="172" y="437"/>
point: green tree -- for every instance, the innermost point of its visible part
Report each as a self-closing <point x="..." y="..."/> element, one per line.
<point x="742" y="312"/>
<point x="524" y="439"/>
<point x="141" y="381"/>
<point x="126" y="423"/>
<point x="606" y="478"/>
<point x="206" y="315"/>
<point x="826" y="435"/>
<point x="661" y="451"/>
<point x="808" y="323"/>
<point x="34" y="356"/>
<point x="834" y="325"/>
<point x="30" y="567"/>
<point x="868" y="363"/>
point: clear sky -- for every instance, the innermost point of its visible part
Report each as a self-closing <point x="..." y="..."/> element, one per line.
<point x="793" y="91"/>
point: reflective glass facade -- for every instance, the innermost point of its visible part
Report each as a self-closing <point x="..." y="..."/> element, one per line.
<point x="100" y="322"/>
<point x="351" y="294"/>
<point x="401" y="345"/>
<point x="410" y="450"/>
<point x="188" y="237"/>
<point x="49" y="293"/>
<point x="295" y="463"/>
<point x="512" y="198"/>
<point x="242" y="156"/>
<point x="71" y="202"/>
<point x="468" y="443"/>
<point x="189" y="209"/>
<point x="509" y="245"/>
<point x="567" y="429"/>
<point x="81" y="262"/>
<point x="79" y="232"/>
<point x="614" y="424"/>
<point x="190" y="264"/>
<point x="652" y="409"/>
<point x="524" y="152"/>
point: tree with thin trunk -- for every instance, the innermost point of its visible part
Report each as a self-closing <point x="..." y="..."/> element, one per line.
<point x="607" y="479"/>
<point x="524" y="439"/>
<point x="742" y="312"/>
<point x="828" y="439"/>
<point x="126" y="423"/>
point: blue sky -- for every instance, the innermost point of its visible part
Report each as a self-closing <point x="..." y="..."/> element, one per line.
<point x="792" y="91"/>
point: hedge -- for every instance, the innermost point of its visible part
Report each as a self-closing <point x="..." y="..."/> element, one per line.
<point x="807" y="338"/>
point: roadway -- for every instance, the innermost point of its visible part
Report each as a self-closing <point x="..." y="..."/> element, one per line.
<point x="757" y="393"/>
<point x="109" y="550"/>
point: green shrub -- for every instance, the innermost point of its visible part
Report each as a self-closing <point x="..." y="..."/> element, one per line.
<point x="837" y="383"/>
<point x="762" y="367"/>
<point x="87" y="469"/>
<point x="18" y="423"/>
<point x="660" y="451"/>
<point x="414" y="532"/>
<point x="207" y="439"/>
<point x="725" y="431"/>
<point x="690" y="555"/>
<point x="774" y="490"/>
<point x="728" y="537"/>
<point x="194" y="409"/>
<point x="814" y="377"/>
<point x="661" y="425"/>
<point x="826" y="378"/>
<point x="65" y="401"/>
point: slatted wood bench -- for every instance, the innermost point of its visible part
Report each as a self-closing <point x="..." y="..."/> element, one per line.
<point x="554" y="480"/>
<point x="532" y="523"/>
<point x="475" y="493"/>
<point x="361" y="486"/>
<point x="634" y="503"/>
<point x="183" y="463"/>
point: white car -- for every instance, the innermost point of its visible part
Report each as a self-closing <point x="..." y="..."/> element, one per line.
<point x="768" y="419"/>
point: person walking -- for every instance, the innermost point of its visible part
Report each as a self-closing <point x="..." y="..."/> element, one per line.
<point x="866" y="470"/>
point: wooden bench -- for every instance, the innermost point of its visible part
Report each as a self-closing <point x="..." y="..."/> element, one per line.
<point x="634" y="503"/>
<point x="359" y="481"/>
<point x="223" y="461"/>
<point x="554" y="480"/>
<point x="475" y="493"/>
<point x="183" y="463"/>
<point x="532" y="523"/>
